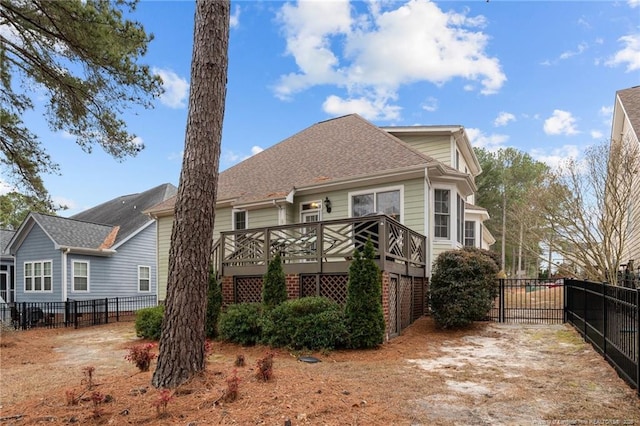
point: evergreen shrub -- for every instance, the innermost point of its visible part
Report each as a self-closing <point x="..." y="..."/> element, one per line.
<point x="241" y="323"/>
<point x="463" y="287"/>
<point x="149" y="322"/>
<point x="307" y="323"/>
<point x="274" y="286"/>
<point x="364" y="318"/>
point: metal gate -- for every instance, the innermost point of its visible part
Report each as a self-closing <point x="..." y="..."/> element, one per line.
<point x="529" y="301"/>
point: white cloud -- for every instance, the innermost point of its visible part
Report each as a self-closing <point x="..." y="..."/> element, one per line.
<point x="138" y="142"/>
<point x="372" y="54"/>
<point x="596" y="134"/>
<point x="569" y="53"/>
<point x="228" y="158"/>
<point x="176" y="156"/>
<point x="256" y="150"/>
<point x="430" y="104"/>
<point x="175" y="87"/>
<point x="633" y="3"/>
<point x="557" y="156"/>
<point x="503" y="119"/>
<point x="629" y="55"/>
<point x="371" y="109"/>
<point x="62" y="201"/>
<point x="489" y="142"/>
<point x="5" y="188"/>
<point x="234" y="19"/>
<point x="560" y="123"/>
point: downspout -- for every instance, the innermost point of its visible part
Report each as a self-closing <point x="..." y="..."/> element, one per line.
<point x="281" y="219"/>
<point x="427" y="216"/>
<point x="64" y="274"/>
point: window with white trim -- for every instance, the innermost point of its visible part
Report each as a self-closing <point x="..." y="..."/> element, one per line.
<point x="460" y="219"/>
<point x="38" y="276"/>
<point x="144" y="279"/>
<point x="442" y="214"/>
<point x="239" y="219"/>
<point x="469" y="233"/>
<point x="80" y="276"/>
<point x="377" y="201"/>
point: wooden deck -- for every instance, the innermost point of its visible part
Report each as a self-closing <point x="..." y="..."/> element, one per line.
<point x="321" y="247"/>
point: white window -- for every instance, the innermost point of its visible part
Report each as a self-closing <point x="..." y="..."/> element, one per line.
<point x="460" y="219"/>
<point x="239" y="219"/>
<point x="469" y="233"/>
<point x="442" y="213"/>
<point x="80" y="276"/>
<point x="38" y="276"/>
<point x="385" y="200"/>
<point x="144" y="279"/>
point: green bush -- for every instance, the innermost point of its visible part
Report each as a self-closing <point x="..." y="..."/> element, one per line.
<point x="306" y="323"/>
<point x="241" y="323"/>
<point x="214" y="303"/>
<point x="463" y="287"/>
<point x="149" y="322"/>
<point x="274" y="287"/>
<point x="363" y="313"/>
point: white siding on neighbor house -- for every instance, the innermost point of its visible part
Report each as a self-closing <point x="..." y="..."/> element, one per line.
<point x="437" y="147"/>
<point x="37" y="247"/>
<point x="117" y="275"/>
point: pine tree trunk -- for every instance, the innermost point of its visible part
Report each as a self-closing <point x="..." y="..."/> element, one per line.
<point x="183" y="330"/>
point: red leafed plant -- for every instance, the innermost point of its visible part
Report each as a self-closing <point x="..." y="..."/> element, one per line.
<point x="141" y="356"/>
<point x="265" y="367"/>
<point x="164" y="396"/>
<point x="233" y="384"/>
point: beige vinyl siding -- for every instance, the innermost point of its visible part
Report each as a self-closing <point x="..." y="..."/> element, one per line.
<point x="414" y="205"/>
<point x="262" y="218"/>
<point x="436" y="147"/>
<point x="632" y="240"/>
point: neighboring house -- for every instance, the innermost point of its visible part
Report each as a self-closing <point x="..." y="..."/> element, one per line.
<point x="625" y="128"/>
<point x="7" y="268"/>
<point x="104" y="252"/>
<point x="309" y="196"/>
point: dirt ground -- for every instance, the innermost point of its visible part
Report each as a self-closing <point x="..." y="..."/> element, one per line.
<point x="491" y="374"/>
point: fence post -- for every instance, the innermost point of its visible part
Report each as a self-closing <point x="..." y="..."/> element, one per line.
<point x="501" y="302"/>
<point x="117" y="310"/>
<point x="23" y="317"/>
<point x="604" y="319"/>
<point x="638" y="341"/>
<point x="106" y="310"/>
<point x="75" y="314"/>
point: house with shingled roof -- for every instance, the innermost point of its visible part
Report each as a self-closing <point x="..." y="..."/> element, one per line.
<point x="318" y="195"/>
<point x="625" y="128"/>
<point x="7" y="268"/>
<point x="104" y="252"/>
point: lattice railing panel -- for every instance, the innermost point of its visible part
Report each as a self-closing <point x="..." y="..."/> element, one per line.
<point x="416" y="251"/>
<point x="405" y="302"/>
<point x="392" y="324"/>
<point x="396" y="240"/>
<point x="334" y="287"/>
<point x="308" y="286"/>
<point x="248" y="289"/>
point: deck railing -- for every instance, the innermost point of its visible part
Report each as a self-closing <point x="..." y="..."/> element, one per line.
<point x="318" y="247"/>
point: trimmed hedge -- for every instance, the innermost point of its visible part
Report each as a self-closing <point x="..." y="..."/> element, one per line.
<point x="149" y="322"/>
<point x="306" y="323"/>
<point x="463" y="287"/>
<point x="241" y="323"/>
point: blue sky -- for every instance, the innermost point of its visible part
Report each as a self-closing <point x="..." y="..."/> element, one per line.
<point x="537" y="76"/>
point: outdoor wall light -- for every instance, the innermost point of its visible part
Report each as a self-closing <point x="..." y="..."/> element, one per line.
<point x="327" y="204"/>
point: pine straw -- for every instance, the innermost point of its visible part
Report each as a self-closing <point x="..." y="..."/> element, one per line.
<point x="489" y="374"/>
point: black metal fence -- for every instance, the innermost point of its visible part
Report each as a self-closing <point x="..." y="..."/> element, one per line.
<point x="607" y="317"/>
<point x="529" y="301"/>
<point x="73" y="313"/>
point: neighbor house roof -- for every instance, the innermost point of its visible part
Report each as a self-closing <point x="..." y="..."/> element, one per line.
<point x="630" y="99"/>
<point x="5" y="237"/>
<point x="126" y="211"/>
<point x="101" y="228"/>
<point x="328" y="151"/>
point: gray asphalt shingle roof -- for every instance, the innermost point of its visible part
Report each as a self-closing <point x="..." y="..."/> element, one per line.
<point x="106" y="225"/>
<point x="5" y="237"/>
<point x="630" y="99"/>
<point x="339" y="148"/>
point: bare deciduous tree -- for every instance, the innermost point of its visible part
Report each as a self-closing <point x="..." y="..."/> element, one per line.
<point x="588" y="208"/>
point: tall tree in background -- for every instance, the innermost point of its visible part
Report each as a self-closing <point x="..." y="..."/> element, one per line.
<point x="182" y="351"/>
<point x="82" y="57"/>
<point x="588" y="209"/>
<point x="508" y="176"/>
<point x="14" y="208"/>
